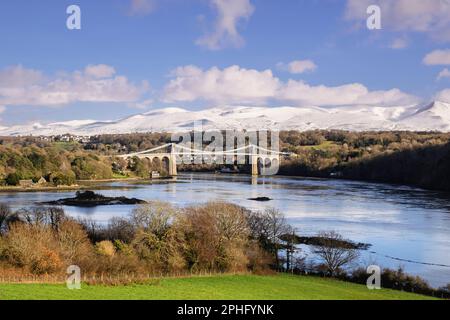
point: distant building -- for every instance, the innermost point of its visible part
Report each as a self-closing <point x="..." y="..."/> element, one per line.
<point x="338" y="174"/>
<point x="26" y="183"/>
<point x="42" y="181"/>
<point x="71" y="138"/>
<point x="155" y="175"/>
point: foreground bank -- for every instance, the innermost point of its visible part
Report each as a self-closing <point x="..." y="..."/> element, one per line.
<point x="238" y="287"/>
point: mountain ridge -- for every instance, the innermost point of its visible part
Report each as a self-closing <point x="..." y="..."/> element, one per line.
<point x="434" y="116"/>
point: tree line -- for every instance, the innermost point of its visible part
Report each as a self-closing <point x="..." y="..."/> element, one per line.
<point x="415" y="158"/>
<point x="156" y="238"/>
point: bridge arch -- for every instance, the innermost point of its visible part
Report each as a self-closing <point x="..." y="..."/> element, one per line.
<point x="156" y="164"/>
<point x="275" y="162"/>
<point x="165" y="164"/>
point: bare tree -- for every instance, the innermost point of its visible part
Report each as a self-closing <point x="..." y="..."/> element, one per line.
<point x="155" y="217"/>
<point x="51" y="216"/>
<point x="120" y="229"/>
<point x="335" y="251"/>
<point x="5" y="216"/>
<point x="291" y="240"/>
<point x="94" y="230"/>
<point x="268" y="227"/>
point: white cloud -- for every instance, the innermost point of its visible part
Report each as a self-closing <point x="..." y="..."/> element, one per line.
<point x="237" y="85"/>
<point x="21" y="86"/>
<point x="141" y="7"/>
<point x="230" y="85"/>
<point x="100" y="71"/>
<point x="399" y="43"/>
<point x="443" y="74"/>
<point x="225" y="33"/>
<point x="431" y="17"/>
<point x="437" y="57"/>
<point x="443" y="95"/>
<point x="18" y="76"/>
<point x="304" y="94"/>
<point x="298" y="66"/>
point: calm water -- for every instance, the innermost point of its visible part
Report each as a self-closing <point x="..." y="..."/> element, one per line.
<point x="398" y="221"/>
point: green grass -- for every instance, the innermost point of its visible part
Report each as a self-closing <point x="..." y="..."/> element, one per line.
<point x="119" y="176"/>
<point x="243" y="287"/>
<point x="323" y="146"/>
<point x="66" y="146"/>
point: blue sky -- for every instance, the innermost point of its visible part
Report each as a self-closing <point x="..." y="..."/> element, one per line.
<point x="133" y="56"/>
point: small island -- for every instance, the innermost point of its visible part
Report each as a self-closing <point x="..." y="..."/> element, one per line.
<point x="325" y="241"/>
<point x="262" y="199"/>
<point x="92" y="199"/>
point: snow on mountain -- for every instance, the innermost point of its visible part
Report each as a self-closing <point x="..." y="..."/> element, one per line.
<point x="431" y="117"/>
<point x="436" y="115"/>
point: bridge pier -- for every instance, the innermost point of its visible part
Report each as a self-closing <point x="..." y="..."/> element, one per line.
<point x="173" y="165"/>
<point x="254" y="165"/>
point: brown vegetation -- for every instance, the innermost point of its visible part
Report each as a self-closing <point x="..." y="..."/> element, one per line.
<point x="38" y="244"/>
<point x="156" y="239"/>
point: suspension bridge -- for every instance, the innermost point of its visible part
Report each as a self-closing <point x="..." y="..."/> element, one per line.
<point x="262" y="160"/>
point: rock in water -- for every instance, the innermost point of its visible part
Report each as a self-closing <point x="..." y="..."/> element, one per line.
<point x="260" y="199"/>
<point x="92" y="199"/>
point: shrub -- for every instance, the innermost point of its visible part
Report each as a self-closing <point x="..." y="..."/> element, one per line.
<point x="161" y="251"/>
<point x="120" y="265"/>
<point x="268" y="227"/>
<point x="74" y="243"/>
<point x="105" y="248"/>
<point x="215" y="234"/>
<point x="123" y="248"/>
<point x="154" y="217"/>
<point x="48" y="261"/>
<point x="259" y="261"/>
<point x="32" y="247"/>
<point x="6" y="216"/>
<point x="13" y="179"/>
<point x="119" y="229"/>
<point x="66" y="178"/>
<point x="156" y="239"/>
<point x="394" y="279"/>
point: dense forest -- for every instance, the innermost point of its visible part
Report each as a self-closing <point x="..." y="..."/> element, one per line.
<point x="419" y="159"/>
<point x="414" y="158"/>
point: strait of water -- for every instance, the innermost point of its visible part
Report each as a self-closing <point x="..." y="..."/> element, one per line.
<point x="399" y="222"/>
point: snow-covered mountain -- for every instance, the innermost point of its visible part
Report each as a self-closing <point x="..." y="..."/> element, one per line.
<point x="432" y="117"/>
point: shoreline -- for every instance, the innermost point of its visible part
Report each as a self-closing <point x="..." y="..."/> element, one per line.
<point x="91" y="184"/>
<point x="82" y="185"/>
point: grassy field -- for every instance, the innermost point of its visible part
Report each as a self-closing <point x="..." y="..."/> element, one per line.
<point x="323" y="146"/>
<point x="243" y="287"/>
